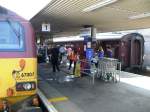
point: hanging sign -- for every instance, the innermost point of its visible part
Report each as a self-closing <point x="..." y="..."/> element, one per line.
<point x="46" y="27"/>
<point x="88" y="44"/>
<point x="86" y="32"/>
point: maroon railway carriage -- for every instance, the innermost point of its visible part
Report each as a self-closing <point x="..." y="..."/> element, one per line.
<point x="129" y="49"/>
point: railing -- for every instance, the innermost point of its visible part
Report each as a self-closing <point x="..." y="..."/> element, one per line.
<point x="88" y="68"/>
<point x="108" y="69"/>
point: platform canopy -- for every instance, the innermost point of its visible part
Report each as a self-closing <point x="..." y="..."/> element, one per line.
<point x="105" y="15"/>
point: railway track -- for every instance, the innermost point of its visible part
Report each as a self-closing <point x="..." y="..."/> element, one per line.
<point x="36" y="103"/>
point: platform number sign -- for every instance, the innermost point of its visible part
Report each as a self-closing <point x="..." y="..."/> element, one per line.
<point x="46" y="27"/>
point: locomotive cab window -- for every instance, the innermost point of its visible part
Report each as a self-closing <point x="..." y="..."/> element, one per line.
<point x="11" y="36"/>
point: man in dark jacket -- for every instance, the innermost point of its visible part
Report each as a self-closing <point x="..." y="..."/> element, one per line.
<point x="54" y="58"/>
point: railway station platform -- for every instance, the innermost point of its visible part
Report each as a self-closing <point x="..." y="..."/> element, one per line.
<point x="131" y="94"/>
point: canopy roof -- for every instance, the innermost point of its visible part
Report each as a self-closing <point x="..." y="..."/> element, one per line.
<point x="71" y="15"/>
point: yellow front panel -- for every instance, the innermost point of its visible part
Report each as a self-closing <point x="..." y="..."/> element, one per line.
<point x="16" y="70"/>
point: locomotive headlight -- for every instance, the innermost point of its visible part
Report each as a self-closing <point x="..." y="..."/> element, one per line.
<point x="27" y="86"/>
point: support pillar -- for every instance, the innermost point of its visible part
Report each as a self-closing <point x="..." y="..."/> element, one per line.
<point x="88" y="32"/>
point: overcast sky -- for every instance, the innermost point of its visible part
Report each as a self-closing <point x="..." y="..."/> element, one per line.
<point x="25" y="8"/>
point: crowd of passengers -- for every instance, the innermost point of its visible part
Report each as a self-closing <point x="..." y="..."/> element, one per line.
<point x="54" y="54"/>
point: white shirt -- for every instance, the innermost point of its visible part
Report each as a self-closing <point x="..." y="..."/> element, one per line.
<point x="62" y="49"/>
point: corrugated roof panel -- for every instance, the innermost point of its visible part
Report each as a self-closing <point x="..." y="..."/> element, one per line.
<point x="68" y="14"/>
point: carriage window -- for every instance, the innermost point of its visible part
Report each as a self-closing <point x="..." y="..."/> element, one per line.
<point x="11" y="36"/>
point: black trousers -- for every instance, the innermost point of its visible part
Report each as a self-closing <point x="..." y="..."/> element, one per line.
<point x="55" y="65"/>
<point x="71" y="61"/>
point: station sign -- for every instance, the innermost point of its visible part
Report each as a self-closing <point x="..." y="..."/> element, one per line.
<point x="46" y="27"/>
<point x="88" y="44"/>
<point x="86" y="32"/>
<point x="84" y="48"/>
<point x="89" y="53"/>
<point x="89" y="35"/>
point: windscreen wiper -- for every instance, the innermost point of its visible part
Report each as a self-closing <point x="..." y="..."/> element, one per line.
<point x="13" y="29"/>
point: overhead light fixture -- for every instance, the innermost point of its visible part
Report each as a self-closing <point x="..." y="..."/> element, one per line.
<point x="139" y="16"/>
<point x="99" y="5"/>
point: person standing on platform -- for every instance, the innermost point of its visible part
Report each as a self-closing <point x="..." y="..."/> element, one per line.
<point x="109" y="52"/>
<point x="73" y="59"/>
<point x="69" y="50"/>
<point x="62" y="51"/>
<point x="54" y="58"/>
<point x="100" y="53"/>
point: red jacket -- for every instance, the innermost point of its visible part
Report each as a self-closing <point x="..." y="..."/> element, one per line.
<point x="73" y="57"/>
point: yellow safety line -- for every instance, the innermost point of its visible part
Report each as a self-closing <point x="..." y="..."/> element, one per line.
<point x="58" y="99"/>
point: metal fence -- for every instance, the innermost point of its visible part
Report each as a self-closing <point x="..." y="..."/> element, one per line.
<point x="88" y="68"/>
<point x="107" y="69"/>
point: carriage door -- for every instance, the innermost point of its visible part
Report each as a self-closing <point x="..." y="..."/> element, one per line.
<point x="136" y="53"/>
<point x="125" y="53"/>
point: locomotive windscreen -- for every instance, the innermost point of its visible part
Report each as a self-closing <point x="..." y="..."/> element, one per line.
<point x="11" y="36"/>
<point x="3" y="10"/>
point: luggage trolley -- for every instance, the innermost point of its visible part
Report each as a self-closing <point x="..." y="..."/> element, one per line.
<point x="109" y="69"/>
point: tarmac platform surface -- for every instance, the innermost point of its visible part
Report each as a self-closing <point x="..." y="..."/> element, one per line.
<point x="80" y="95"/>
